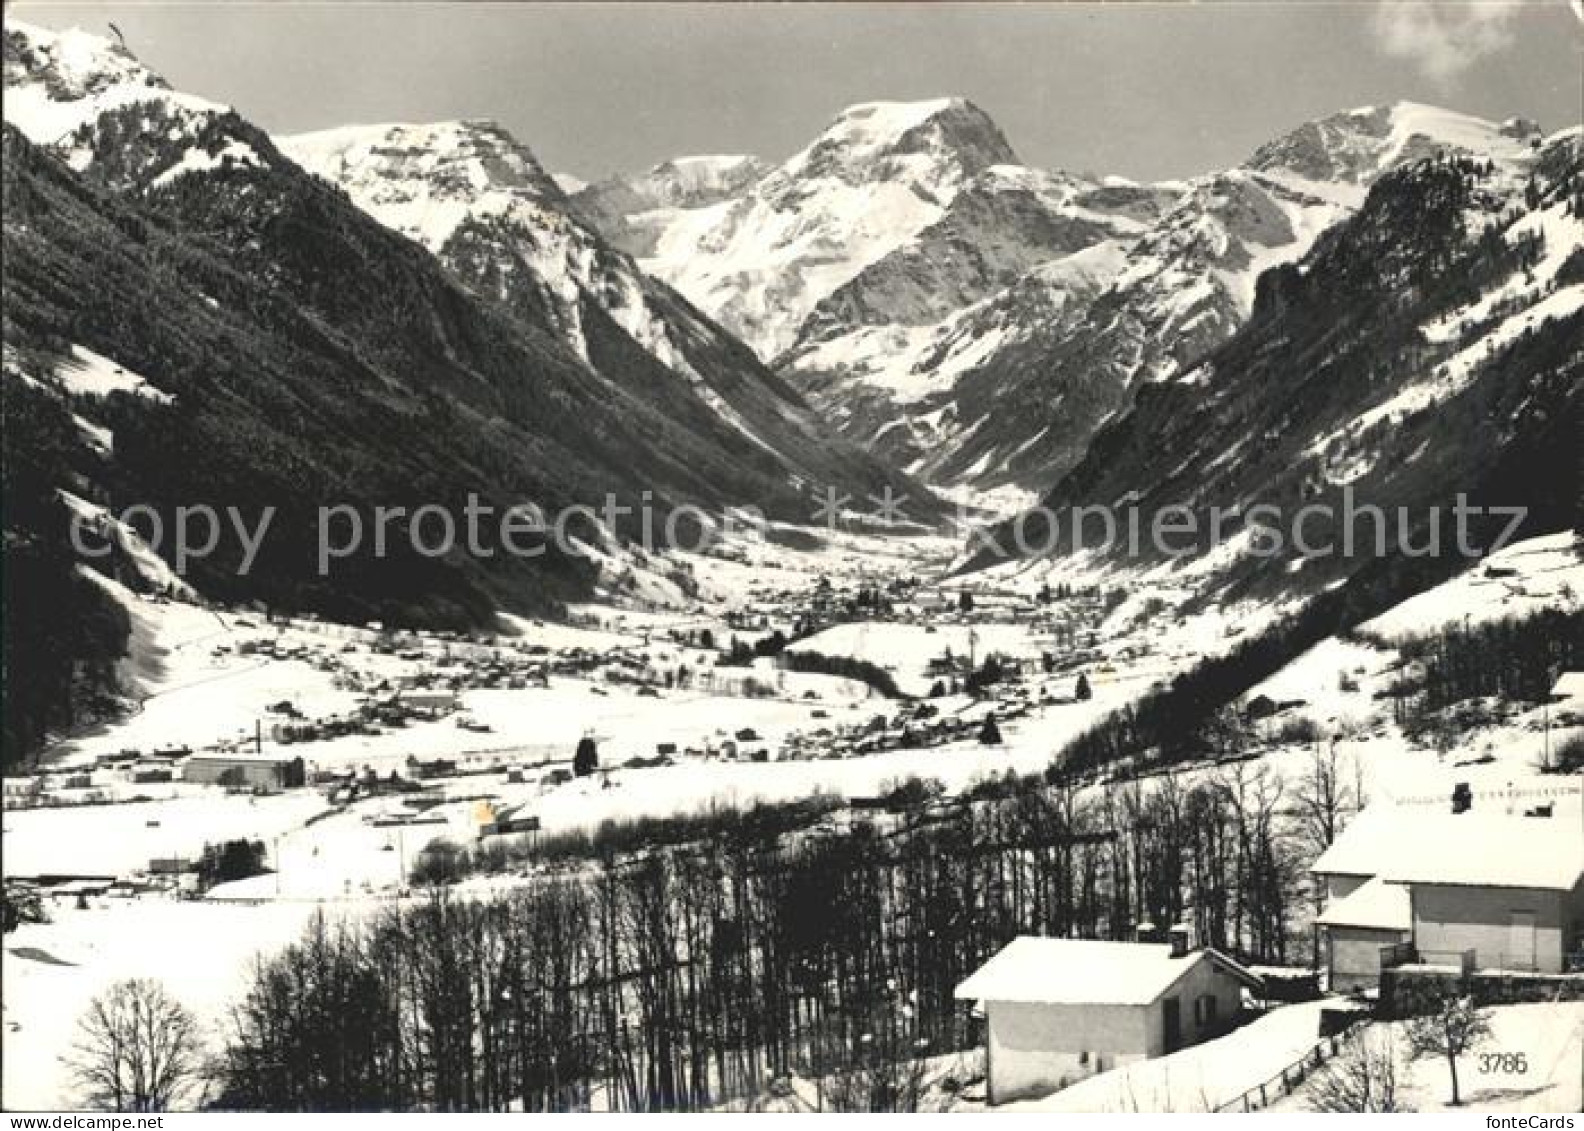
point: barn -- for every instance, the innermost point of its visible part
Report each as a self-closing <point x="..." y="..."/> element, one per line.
<point x="239" y="771"/>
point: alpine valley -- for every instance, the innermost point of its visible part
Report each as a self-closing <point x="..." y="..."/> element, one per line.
<point x="892" y="627"/>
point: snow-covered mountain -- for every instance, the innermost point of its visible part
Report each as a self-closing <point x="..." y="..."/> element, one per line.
<point x="1424" y="350"/>
<point x="479" y="200"/>
<point x="946" y="327"/>
<point x="466" y="333"/>
<point x="632" y="212"/>
<point x="763" y="258"/>
<point x="92" y="103"/>
<point x="1047" y="368"/>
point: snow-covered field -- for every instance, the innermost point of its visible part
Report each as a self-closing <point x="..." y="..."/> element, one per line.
<point x="201" y="951"/>
<point x="1550" y="1037"/>
<point x="114" y="840"/>
<point x="197" y="687"/>
<point x="906" y="649"/>
<point x="1520" y="579"/>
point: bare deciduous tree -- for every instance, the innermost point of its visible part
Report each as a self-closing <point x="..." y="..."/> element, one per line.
<point x="137" y="1048"/>
<point x="878" y="1064"/>
<point x="1446" y="1023"/>
<point x="1362" y="1077"/>
<point x="1323" y="798"/>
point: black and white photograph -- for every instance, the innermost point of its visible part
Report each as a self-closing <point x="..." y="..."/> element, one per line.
<point x="842" y="557"/>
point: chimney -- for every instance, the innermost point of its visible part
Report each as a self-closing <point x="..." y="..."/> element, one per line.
<point x="1146" y="932"/>
<point x="1178" y="937"/>
<point x="1462" y="797"/>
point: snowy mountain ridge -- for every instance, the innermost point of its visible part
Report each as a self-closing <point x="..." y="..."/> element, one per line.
<point x="921" y="316"/>
<point x="68" y="91"/>
<point x="430" y="181"/>
<point x="1425" y="346"/>
<point x="438" y="320"/>
<point x="478" y="199"/>
<point x="878" y="175"/>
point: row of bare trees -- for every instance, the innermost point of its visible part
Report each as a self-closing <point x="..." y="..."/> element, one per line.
<point x="692" y="976"/>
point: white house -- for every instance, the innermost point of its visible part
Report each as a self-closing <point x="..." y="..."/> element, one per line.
<point x="1569" y="686"/>
<point x="1057" y="1010"/>
<point x="1509" y="889"/>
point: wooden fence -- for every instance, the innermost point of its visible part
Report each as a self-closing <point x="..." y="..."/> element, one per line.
<point x="1285" y="1082"/>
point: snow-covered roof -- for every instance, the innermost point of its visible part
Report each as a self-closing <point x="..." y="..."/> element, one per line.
<point x="1377" y="905"/>
<point x="1492" y="851"/>
<point x="1569" y="686"/>
<point x="1083" y="972"/>
<point x="1468" y="849"/>
<point x="1366" y="843"/>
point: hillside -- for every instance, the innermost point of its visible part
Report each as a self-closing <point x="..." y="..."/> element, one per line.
<point x="1425" y="347"/>
<point x="478" y="199"/>
<point x="302" y="355"/>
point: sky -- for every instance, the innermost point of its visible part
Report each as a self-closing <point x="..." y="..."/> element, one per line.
<point x="1144" y="90"/>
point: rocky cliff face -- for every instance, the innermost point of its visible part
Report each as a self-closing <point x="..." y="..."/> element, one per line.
<point x="480" y="202"/>
<point x="946" y="327"/>
<point x="1424" y="348"/>
<point x="762" y="256"/>
<point x="633" y="212"/>
<point x="451" y="330"/>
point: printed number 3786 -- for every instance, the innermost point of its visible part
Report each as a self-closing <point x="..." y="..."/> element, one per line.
<point x="1510" y="1062"/>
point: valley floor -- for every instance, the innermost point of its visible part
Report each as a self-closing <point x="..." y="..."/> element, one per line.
<point x="208" y="680"/>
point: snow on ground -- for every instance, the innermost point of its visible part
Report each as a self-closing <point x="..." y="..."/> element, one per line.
<point x="200" y="710"/>
<point x="70" y="80"/>
<point x="1342" y="686"/>
<point x="201" y="951"/>
<point x="1550" y="1037"/>
<point x="114" y="840"/>
<point x="1451" y="376"/>
<point x="1319" y="679"/>
<point x="905" y="650"/>
<point x="1161" y="607"/>
<point x="97" y="527"/>
<point x="92" y="374"/>
<point x="1200" y="1078"/>
<point x="1520" y="579"/>
<point x="198" y="688"/>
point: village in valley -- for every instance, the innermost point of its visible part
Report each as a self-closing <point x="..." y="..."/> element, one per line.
<point x="812" y="558"/>
<point x="277" y="769"/>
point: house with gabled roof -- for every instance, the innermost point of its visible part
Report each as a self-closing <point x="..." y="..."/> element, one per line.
<point x="1058" y="1010"/>
<point x="1502" y="891"/>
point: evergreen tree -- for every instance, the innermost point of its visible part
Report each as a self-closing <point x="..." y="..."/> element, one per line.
<point x="586" y="760"/>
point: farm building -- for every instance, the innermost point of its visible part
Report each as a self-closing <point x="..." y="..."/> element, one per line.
<point x="23" y="789"/>
<point x="1501" y="890"/>
<point x="1058" y="1010"/>
<point x="240" y="771"/>
<point x="430" y="704"/>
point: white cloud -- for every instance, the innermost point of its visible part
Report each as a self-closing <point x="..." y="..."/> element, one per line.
<point x="1443" y="40"/>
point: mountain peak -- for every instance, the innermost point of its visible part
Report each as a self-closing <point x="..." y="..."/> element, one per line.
<point x="868" y="140"/>
<point x="73" y="63"/>
<point x="691" y="182"/>
<point x="425" y="177"/>
<point x="1357" y="145"/>
<point x="92" y="104"/>
<point x="479" y="148"/>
